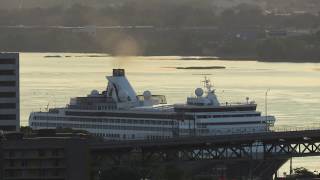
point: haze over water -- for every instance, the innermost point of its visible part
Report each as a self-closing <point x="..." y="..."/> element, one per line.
<point x="294" y="96"/>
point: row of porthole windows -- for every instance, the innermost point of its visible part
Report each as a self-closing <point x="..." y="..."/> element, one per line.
<point x="228" y="115"/>
<point x="130" y="136"/>
<point x="107" y="135"/>
<point x="93" y="126"/>
<point x="123" y="121"/>
<point x="152" y="137"/>
<point x="236" y="130"/>
<point x="106" y="107"/>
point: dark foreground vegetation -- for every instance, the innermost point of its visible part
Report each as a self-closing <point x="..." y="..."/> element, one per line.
<point x="155" y="27"/>
<point x="303" y="173"/>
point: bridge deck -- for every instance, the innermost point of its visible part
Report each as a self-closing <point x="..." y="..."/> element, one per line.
<point x="262" y="158"/>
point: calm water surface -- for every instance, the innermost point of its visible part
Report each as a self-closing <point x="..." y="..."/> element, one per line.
<point x="294" y="96"/>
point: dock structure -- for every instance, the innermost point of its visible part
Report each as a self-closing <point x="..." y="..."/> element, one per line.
<point x="257" y="154"/>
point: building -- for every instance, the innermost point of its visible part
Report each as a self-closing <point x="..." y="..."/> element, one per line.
<point x="9" y="92"/>
<point x="55" y="158"/>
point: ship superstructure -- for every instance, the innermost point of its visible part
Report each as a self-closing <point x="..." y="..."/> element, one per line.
<point x="118" y="113"/>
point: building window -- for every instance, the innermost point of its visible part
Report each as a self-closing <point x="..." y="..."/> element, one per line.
<point x="7" y="117"/>
<point x="56" y="173"/>
<point x="7" y="94"/>
<point x="11" y="163"/>
<point x="7" y="61"/>
<point x="12" y="154"/>
<point x="56" y="163"/>
<point x="7" y="72"/>
<point x="42" y="173"/>
<point x="7" y="83"/>
<point x="8" y="128"/>
<point x="55" y="152"/>
<point x="24" y="163"/>
<point x="41" y="153"/>
<point x="22" y="154"/>
<point x="7" y="105"/>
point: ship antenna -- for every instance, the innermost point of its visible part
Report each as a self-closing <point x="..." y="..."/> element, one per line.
<point x="266" y="103"/>
<point x="207" y="84"/>
<point x="54" y="100"/>
<point x="47" y="107"/>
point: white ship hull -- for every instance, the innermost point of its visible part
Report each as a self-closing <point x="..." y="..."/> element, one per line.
<point x="148" y="128"/>
<point x="119" y="114"/>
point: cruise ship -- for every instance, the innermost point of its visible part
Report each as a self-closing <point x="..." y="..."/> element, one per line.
<point x="118" y="113"/>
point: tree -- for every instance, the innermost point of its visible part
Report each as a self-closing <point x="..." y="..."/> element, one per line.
<point x="272" y="48"/>
<point x="301" y="172"/>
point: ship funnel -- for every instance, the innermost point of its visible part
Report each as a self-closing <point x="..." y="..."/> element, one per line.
<point x="118" y="72"/>
<point x="119" y="88"/>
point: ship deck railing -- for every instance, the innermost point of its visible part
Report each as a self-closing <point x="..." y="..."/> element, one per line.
<point x="292" y="128"/>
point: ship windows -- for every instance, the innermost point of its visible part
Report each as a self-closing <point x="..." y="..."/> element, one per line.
<point x="123" y="115"/>
<point x="116" y="124"/>
<point x="154" y="137"/>
<point x="227" y="115"/>
<point x="94" y="126"/>
<point x="106" y="107"/>
<point x="112" y="135"/>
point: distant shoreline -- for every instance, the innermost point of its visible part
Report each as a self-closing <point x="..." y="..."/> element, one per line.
<point x="190" y="57"/>
<point x="271" y="60"/>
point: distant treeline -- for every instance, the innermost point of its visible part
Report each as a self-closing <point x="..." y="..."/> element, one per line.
<point x="154" y="27"/>
<point x="157" y="13"/>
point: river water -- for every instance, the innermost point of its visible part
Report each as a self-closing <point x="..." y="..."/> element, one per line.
<point x="293" y="96"/>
